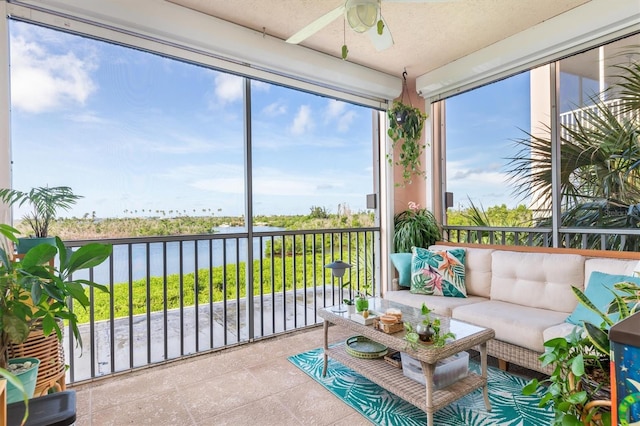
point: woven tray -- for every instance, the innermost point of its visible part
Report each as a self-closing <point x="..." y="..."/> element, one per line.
<point x="363" y="347"/>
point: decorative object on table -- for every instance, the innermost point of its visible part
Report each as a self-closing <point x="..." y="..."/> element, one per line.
<point x="579" y="386"/>
<point x="45" y="203"/>
<point x="365" y="317"/>
<point x="390" y="322"/>
<point x="414" y="227"/>
<point x="363" y="347"/>
<point x="405" y="129"/>
<point x="383" y="407"/>
<point x="427" y="331"/>
<point x="338" y="268"/>
<point x="49" y="289"/>
<point x="362" y="301"/>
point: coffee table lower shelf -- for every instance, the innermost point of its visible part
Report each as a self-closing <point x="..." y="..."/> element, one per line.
<point x="392" y="379"/>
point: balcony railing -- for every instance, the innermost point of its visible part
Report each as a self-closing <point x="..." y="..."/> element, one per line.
<point x="174" y="297"/>
<point x="624" y="239"/>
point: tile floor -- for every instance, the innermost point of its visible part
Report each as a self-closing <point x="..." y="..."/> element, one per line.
<point x="250" y="385"/>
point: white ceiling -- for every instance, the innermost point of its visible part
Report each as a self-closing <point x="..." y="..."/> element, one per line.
<point x="427" y="35"/>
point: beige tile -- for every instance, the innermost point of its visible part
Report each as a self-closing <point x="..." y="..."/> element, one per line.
<point x="264" y="412"/>
<point x="223" y="393"/>
<point x="277" y="375"/>
<point x="312" y="404"/>
<point x="161" y="409"/>
<point x="127" y="388"/>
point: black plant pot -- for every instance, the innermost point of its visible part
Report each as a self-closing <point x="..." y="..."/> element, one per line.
<point x="401" y="116"/>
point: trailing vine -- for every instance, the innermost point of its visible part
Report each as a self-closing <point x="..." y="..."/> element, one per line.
<point x="405" y="128"/>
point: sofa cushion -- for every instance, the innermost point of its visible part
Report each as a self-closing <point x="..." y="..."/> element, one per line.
<point x="402" y="263"/>
<point x="599" y="292"/>
<point x="609" y="266"/>
<point x="538" y="280"/>
<point x="439" y="305"/>
<point x="477" y="267"/>
<point x="438" y="272"/>
<point x="516" y="324"/>
<point x="558" y="330"/>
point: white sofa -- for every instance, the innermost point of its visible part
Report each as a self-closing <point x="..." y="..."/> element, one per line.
<point x="523" y="293"/>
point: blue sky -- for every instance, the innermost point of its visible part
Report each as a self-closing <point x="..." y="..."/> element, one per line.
<point x="481" y="127"/>
<point x="136" y="133"/>
<point x="132" y="131"/>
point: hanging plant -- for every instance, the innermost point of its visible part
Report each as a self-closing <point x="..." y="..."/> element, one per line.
<point x="405" y="128"/>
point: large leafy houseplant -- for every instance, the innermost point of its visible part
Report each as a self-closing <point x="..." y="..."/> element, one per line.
<point x="405" y="129"/>
<point x="414" y="227"/>
<point x="45" y="202"/>
<point x="35" y="294"/>
<point x="583" y="357"/>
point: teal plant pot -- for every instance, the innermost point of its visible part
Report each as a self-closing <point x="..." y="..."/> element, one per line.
<point x="28" y="379"/>
<point x="362" y="304"/>
<point x="26" y="244"/>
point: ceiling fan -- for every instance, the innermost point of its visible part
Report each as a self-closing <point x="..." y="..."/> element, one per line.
<point x="362" y="16"/>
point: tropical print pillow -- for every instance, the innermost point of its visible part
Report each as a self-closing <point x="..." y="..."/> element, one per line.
<point x="438" y="272"/>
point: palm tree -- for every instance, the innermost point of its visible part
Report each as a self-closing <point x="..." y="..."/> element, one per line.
<point x="599" y="164"/>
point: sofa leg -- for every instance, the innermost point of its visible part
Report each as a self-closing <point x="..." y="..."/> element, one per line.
<point x="502" y="364"/>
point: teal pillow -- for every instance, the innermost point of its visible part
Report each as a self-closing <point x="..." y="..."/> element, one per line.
<point x="599" y="292"/>
<point x="438" y="272"/>
<point x="402" y="263"/>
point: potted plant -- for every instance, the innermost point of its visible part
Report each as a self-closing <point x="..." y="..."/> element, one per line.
<point x="578" y="388"/>
<point x="426" y="331"/>
<point x="33" y="293"/>
<point x="414" y="227"/>
<point x="405" y="128"/>
<point x="45" y="203"/>
<point x="362" y="301"/>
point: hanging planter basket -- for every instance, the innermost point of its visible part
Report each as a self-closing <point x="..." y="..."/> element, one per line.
<point x="405" y="130"/>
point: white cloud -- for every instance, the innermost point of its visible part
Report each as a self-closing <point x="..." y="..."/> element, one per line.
<point x="275" y="109"/>
<point x="228" y="88"/>
<point x="303" y="122"/>
<point x="336" y="111"/>
<point x="44" y="81"/>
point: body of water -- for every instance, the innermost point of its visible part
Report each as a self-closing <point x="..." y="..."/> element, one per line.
<point x="150" y="259"/>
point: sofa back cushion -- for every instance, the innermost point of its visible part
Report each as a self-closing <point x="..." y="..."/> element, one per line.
<point x="609" y="266"/>
<point x="539" y="280"/>
<point x="477" y="269"/>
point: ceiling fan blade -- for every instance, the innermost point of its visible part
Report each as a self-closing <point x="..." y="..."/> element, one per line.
<point x="380" y="41"/>
<point x="316" y="25"/>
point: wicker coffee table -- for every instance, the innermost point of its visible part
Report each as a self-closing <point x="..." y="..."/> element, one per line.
<point x="391" y="378"/>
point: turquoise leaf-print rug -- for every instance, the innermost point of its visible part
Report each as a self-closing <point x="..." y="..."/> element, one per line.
<point x="509" y="406"/>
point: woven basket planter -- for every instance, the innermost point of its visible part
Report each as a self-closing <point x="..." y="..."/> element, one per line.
<point x="50" y="351"/>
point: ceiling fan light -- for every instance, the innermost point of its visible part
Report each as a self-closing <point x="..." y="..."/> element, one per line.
<point x="361" y="14"/>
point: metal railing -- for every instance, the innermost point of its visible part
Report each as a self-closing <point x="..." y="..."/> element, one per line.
<point x="621" y="239"/>
<point x="173" y="297"/>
